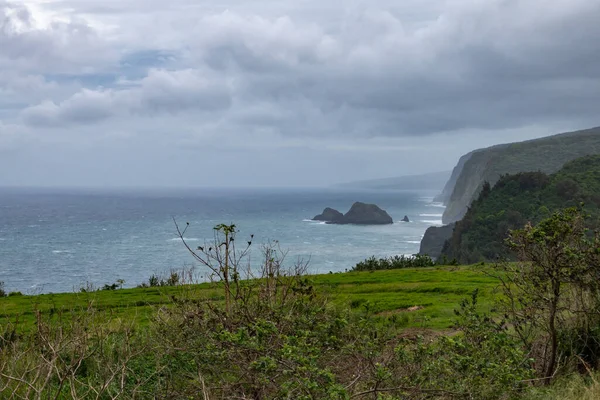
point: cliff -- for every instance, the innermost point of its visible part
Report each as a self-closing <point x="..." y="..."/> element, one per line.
<point x="516" y="200"/>
<point x="547" y="155"/>
<point x="434" y="239"/>
<point x="444" y="196"/>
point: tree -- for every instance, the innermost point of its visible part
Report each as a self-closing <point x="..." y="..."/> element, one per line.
<point x="549" y="285"/>
<point x="221" y="258"/>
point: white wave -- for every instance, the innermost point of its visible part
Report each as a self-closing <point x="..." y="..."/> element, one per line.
<point x="61" y="251"/>
<point x="314" y="222"/>
<point x="186" y="239"/>
<point x="413" y="241"/>
<point x="432" y="221"/>
<point x="431" y="215"/>
<point x="440" y="205"/>
<point x="2" y="239"/>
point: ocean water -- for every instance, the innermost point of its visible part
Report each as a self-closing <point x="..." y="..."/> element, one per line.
<point x="57" y="241"/>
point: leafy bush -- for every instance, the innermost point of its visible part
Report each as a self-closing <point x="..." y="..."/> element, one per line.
<point x="518" y="199"/>
<point x="552" y="296"/>
<point x="483" y="362"/>
<point x="394" y="262"/>
<point x="174" y="278"/>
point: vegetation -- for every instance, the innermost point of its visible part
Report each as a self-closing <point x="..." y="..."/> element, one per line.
<point x="278" y="333"/>
<point x="435" y="291"/>
<point x="272" y="336"/>
<point x="548" y="155"/>
<point x="394" y="262"/>
<point x="519" y="199"/>
<point x="552" y="297"/>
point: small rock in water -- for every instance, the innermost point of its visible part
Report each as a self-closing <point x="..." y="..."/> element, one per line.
<point x="329" y="215"/>
<point x="405" y="219"/>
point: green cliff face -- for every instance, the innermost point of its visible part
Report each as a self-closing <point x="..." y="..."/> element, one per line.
<point x="444" y="197"/>
<point x="519" y="199"/>
<point x="547" y="155"/>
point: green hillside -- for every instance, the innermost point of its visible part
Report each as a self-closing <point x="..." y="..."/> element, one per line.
<point x="518" y="199"/>
<point x="547" y="154"/>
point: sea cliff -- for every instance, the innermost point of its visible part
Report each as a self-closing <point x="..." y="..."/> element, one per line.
<point x="547" y="155"/>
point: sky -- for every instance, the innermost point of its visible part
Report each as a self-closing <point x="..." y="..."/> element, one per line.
<point x="155" y="93"/>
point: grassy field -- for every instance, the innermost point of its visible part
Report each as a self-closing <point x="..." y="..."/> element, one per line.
<point x="418" y="299"/>
<point x="423" y="297"/>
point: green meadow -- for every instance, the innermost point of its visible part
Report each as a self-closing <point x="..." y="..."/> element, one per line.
<point x="416" y="297"/>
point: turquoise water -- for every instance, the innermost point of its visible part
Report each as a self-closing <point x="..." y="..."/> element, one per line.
<point x="55" y="241"/>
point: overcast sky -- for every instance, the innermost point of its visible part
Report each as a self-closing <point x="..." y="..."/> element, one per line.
<point x="283" y="92"/>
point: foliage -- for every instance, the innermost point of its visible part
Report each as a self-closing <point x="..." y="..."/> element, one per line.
<point x="552" y="296"/>
<point x="394" y="262"/>
<point x="548" y="155"/>
<point x="484" y="361"/>
<point x="223" y="259"/>
<point x="571" y="387"/>
<point x="276" y="337"/>
<point x="480" y="361"/>
<point x="518" y="199"/>
<point x="174" y="278"/>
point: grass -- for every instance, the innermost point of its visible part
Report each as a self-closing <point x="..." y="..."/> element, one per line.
<point x="434" y="292"/>
<point x="572" y="387"/>
<point x="438" y="290"/>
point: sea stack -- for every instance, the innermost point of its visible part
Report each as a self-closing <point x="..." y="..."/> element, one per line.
<point x="359" y="214"/>
<point x="329" y="215"/>
<point x="405" y="219"/>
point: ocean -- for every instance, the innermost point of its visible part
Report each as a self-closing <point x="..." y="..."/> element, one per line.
<point x="62" y="240"/>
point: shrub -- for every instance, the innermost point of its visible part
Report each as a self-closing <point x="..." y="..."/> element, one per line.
<point x="394" y="262"/>
<point x="552" y="296"/>
<point x="174" y="278"/>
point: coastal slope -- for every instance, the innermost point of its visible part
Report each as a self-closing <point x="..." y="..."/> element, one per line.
<point x="516" y="200"/>
<point x="547" y="155"/>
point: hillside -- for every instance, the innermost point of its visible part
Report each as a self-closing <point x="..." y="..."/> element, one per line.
<point x="431" y="181"/>
<point x="547" y="155"/>
<point x="518" y="199"/>
<point x="444" y="196"/>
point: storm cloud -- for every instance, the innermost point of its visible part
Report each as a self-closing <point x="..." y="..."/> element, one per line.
<point x="372" y="84"/>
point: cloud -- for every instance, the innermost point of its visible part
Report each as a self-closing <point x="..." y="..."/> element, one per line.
<point x="31" y="44"/>
<point x="159" y="92"/>
<point x="485" y="65"/>
<point x="317" y="76"/>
